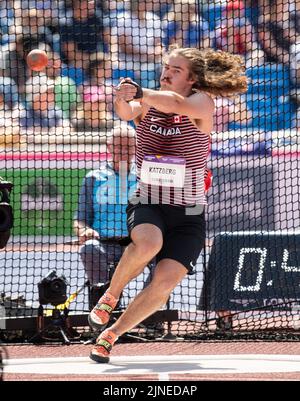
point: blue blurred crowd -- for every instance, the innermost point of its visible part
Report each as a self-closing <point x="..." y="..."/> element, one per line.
<point x="91" y="44"/>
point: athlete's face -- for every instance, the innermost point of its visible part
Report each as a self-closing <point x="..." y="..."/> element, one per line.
<point x="176" y="75"/>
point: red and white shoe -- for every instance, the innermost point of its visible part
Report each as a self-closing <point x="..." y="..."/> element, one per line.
<point x="101" y="351"/>
<point x="99" y="316"/>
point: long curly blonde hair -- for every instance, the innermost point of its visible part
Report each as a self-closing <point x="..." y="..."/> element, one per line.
<point x="216" y="72"/>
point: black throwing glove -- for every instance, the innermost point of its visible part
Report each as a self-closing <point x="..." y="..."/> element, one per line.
<point x="139" y="92"/>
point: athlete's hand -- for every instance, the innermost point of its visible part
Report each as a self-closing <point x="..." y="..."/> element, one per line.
<point x="125" y="91"/>
<point x="128" y="90"/>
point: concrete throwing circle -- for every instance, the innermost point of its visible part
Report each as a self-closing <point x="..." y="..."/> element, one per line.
<point x="160" y="365"/>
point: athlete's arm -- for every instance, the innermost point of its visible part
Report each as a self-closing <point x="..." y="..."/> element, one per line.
<point x="197" y="106"/>
<point x="127" y="111"/>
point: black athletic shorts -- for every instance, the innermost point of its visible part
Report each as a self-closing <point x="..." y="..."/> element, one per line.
<point x="183" y="234"/>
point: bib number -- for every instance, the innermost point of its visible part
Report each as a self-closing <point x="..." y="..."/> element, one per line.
<point x="166" y="171"/>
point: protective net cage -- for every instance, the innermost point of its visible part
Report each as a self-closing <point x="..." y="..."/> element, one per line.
<point x="62" y="200"/>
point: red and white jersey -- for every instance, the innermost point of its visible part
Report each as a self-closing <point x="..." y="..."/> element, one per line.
<point x="163" y="134"/>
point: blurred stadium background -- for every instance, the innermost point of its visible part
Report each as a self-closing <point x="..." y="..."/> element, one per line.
<point x="54" y="127"/>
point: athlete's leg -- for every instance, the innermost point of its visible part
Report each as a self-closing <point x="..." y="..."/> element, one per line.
<point x="147" y="240"/>
<point x="167" y="275"/>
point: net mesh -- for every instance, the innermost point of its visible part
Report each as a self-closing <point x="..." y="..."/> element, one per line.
<point x="59" y="132"/>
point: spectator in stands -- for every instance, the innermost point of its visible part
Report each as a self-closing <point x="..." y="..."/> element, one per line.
<point x="101" y="216"/>
<point x="9" y="123"/>
<point x="53" y="12"/>
<point x="14" y="62"/>
<point x="111" y="10"/>
<point x="76" y="70"/>
<point x="239" y="112"/>
<point x="295" y="63"/>
<point x="82" y="35"/>
<point x="279" y="34"/>
<point x="51" y="9"/>
<point x="97" y="94"/>
<point x="295" y="78"/>
<point x="236" y="35"/>
<point x="67" y="96"/>
<point x="162" y="7"/>
<point x="294" y="52"/>
<point x="136" y="41"/>
<point x="33" y="23"/>
<point x="41" y="112"/>
<point x="278" y="31"/>
<point x="254" y="8"/>
<point x="221" y="116"/>
<point x="65" y="11"/>
<point x="6" y="20"/>
<point x="231" y="111"/>
<point x="183" y="25"/>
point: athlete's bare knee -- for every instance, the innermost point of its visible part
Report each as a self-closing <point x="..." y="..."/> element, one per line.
<point x="147" y="249"/>
<point x="147" y="241"/>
